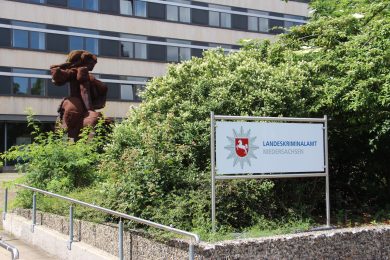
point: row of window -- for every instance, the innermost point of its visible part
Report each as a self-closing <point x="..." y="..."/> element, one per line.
<point x="35" y="86"/>
<point x="216" y="17"/>
<point x="109" y="48"/>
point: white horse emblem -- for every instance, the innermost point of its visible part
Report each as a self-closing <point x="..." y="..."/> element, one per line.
<point x="242" y="146"/>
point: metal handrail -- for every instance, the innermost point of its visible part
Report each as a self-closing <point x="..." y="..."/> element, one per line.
<point x="194" y="236"/>
<point x="14" y="251"/>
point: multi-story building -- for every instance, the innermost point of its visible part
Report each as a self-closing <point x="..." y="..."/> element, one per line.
<point x="133" y="39"/>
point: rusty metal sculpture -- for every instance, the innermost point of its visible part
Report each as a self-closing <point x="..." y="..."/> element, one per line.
<point x="86" y="92"/>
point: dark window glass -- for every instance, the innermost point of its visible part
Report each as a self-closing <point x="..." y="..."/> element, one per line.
<point x="91" y="5"/>
<point x="113" y="91"/>
<point x="28" y="39"/>
<point x="5" y="85"/>
<point x="109" y="48"/>
<point x="37" y="86"/>
<point x="5" y="37"/>
<point x="197" y="52"/>
<point x="57" y="91"/>
<point x="199" y="16"/>
<point x="157" y="52"/>
<point x="17" y="134"/>
<point x="57" y="2"/>
<point x="57" y="42"/>
<point x="34" y="1"/>
<point x="156" y="11"/>
<point x="84" y="4"/>
<point x="76" y="43"/>
<point x="37" y="40"/>
<point x="75" y="4"/>
<point x="28" y="86"/>
<point x="274" y="24"/>
<point x="91" y="45"/>
<point x="20" y="86"/>
<point x="20" y="39"/>
<point x="109" y="6"/>
<point x="140" y="8"/>
<point x="83" y="43"/>
<point x="239" y="21"/>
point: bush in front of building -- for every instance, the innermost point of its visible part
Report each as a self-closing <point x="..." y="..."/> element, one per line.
<point x="55" y="163"/>
<point x="158" y="163"/>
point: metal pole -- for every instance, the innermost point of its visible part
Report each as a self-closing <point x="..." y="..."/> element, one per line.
<point x="120" y="237"/>
<point x="34" y="212"/>
<point x="327" y="172"/>
<point x="70" y="227"/>
<point x="191" y="252"/>
<point x="5" y="203"/>
<point x="212" y="146"/>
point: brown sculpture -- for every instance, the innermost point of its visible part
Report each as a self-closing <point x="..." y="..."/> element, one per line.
<point x="86" y="92"/>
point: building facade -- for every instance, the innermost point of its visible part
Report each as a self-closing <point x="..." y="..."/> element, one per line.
<point x="133" y="39"/>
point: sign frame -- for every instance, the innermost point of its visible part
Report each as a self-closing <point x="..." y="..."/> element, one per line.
<point x="215" y="177"/>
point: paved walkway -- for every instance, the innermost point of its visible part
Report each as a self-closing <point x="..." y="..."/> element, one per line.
<point x="26" y="252"/>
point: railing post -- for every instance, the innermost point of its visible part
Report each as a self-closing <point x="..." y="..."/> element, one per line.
<point x="34" y="212"/>
<point x="70" y="227"/>
<point x="191" y="252"/>
<point x="5" y="203"/>
<point x="120" y="237"/>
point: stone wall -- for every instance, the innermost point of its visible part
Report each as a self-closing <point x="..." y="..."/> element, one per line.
<point x="372" y="242"/>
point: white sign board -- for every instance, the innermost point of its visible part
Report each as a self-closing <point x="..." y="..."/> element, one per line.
<point x="263" y="147"/>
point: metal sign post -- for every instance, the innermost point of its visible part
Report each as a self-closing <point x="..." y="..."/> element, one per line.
<point x="314" y="154"/>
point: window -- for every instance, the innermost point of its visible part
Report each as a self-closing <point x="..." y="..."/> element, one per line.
<point x="177" y="54"/>
<point x="35" y="1"/>
<point x="28" y="39"/>
<point x="140" y="8"/>
<point x="258" y="24"/>
<point x="157" y="51"/>
<point x="83" y="43"/>
<point x="239" y="21"/>
<point x="178" y="13"/>
<point x="28" y="86"/>
<point x="226" y="20"/>
<point x="57" y="91"/>
<point x="84" y="4"/>
<point x="199" y="16"/>
<point x="126" y="7"/>
<point x="220" y="19"/>
<point x="288" y="24"/>
<point x="127" y="92"/>
<point x="109" y="48"/>
<point x="214" y="17"/>
<point x="133" y="49"/>
<point x="57" y="42"/>
<point x="131" y="91"/>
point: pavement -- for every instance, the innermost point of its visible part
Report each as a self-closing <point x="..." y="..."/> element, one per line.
<point x="26" y="252"/>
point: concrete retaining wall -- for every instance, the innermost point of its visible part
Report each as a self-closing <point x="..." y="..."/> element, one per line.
<point x="372" y="242"/>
